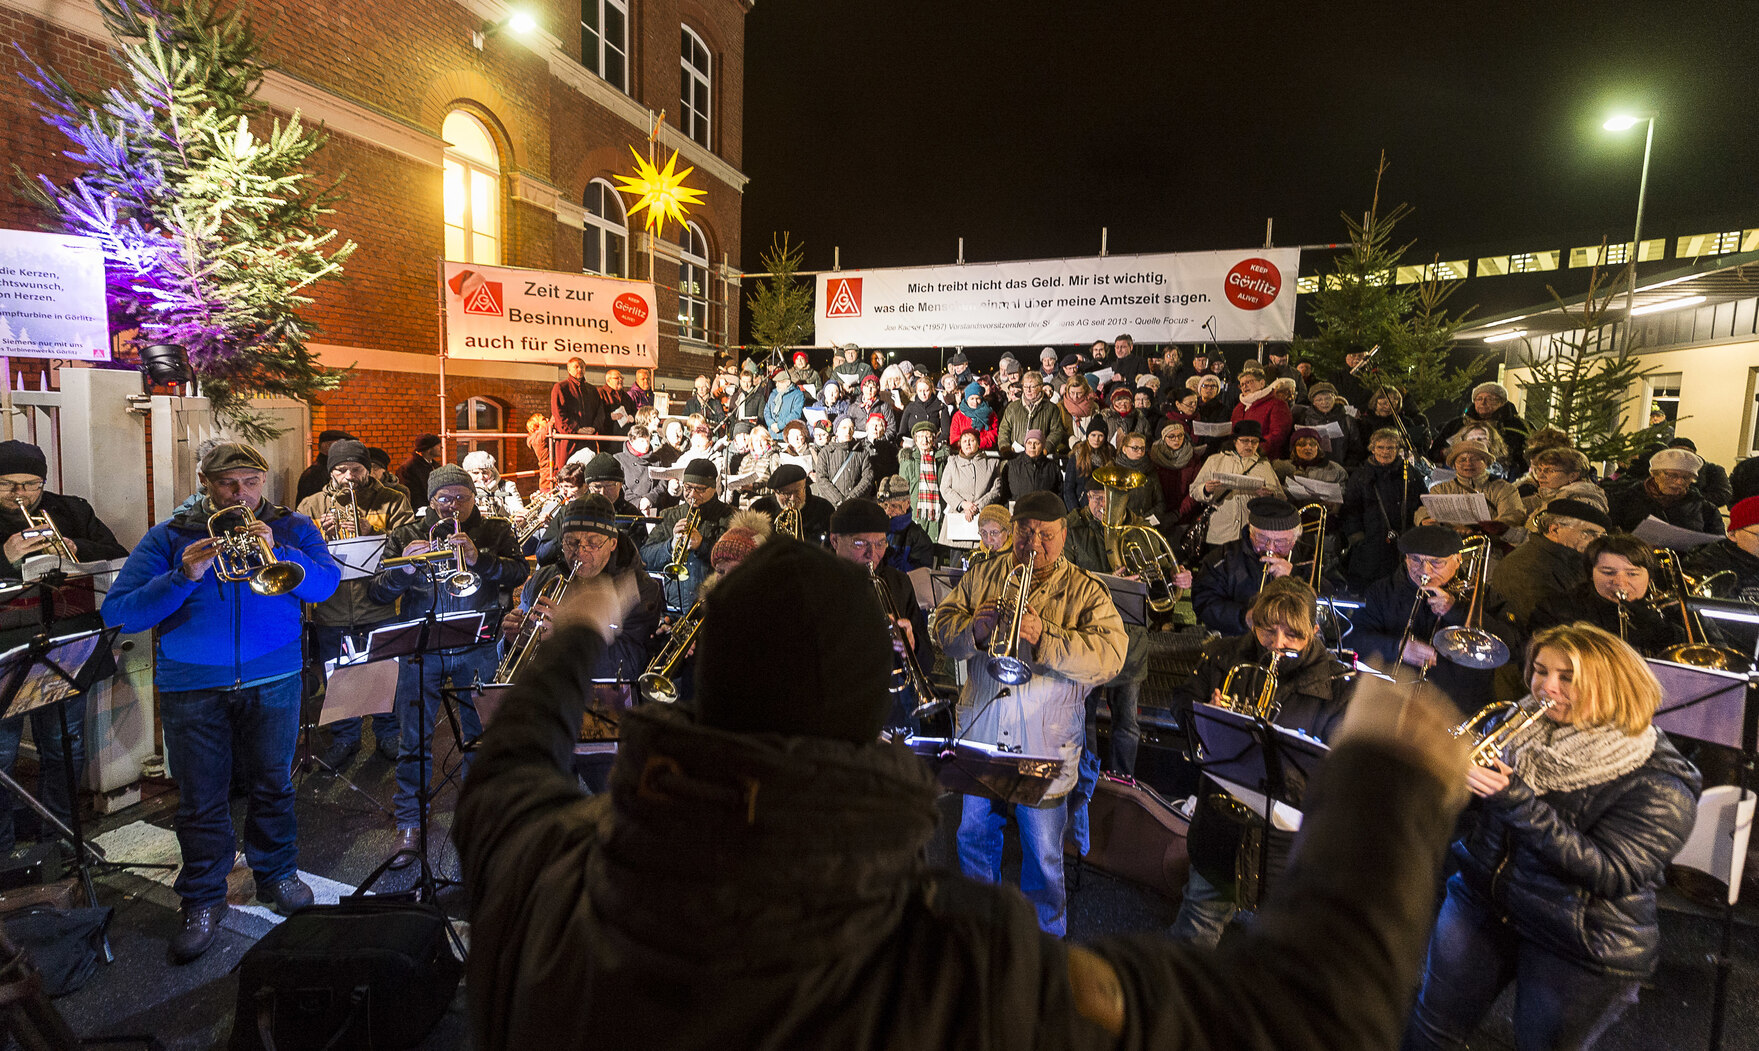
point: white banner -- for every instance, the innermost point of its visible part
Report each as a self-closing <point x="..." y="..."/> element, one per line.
<point x="504" y="313"/>
<point x="52" y="297"/>
<point x="1246" y="296"/>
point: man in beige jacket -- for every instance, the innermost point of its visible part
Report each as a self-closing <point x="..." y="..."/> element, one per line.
<point x="1072" y="640"/>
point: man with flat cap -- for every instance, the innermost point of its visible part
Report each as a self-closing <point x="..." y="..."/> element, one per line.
<point x="593" y="546"/>
<point x="1231" y="576"/>
<point x="23" y="471"/>
<point x="673" y="532"/>
<point x="315" y="477"/>
<point x="1549" y="562"/>
<point x="488" y="550"/>
<point x="227" y="669"/>
<point x="1072" y="639"/>
<point x="860" y="533"/>
<point x="1432" y="561"/>
<point x="772" y="843"/>
<point x="790" y="489"/>
<point x="371" y="509"/>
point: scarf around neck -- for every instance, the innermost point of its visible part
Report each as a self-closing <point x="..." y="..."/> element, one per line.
<point x="1255" y="397"/>
<point x="928" y="487"/>
<point x="1557" y="757"/>
<point x="1171" y="459"/>
<point x="978" y="415"/>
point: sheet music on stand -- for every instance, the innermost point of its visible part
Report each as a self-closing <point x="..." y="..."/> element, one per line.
<point x="358" y="556"/>
<point x="974" y="769"/>
<point x="403" y="639"/>
<point x="1701" y="703"/>
<point x="103" y="573"/>
<point x="1237" y="753"/>
<point x="60" y="672"/>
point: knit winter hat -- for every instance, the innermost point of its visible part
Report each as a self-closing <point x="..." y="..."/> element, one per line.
<point x="1429" y="541"/>
<point x="1745" y="513"/>
<point x="448" y="474"/>
<point x="1248" y="429"/>
<point x="1272" y="513"/>
<point x="591" y="513"/>
<point x="23" y="458"/>
<point x="973" y="390"/>
<point x="839" y="673"/>
<point x="1304" y="432"/>
<point x="347" y="450"/>
<point x="997" y="513"/>
<point x="603" y="467"/>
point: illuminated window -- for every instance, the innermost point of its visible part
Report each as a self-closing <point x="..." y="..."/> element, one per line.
<point x="606" y="238"/>
<point x="479" y="414"/>
<point x="1305" y="285"/>
<point x="692" y="283"/>
<point x="694" y="87"/>
<point x="604" y="40"/>
<point x="472" y="191"/>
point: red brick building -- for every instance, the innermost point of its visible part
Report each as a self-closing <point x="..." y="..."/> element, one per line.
<point x="464" y="133"/>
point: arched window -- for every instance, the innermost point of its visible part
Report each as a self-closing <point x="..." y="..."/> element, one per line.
<point x="692" y="283"/>
<point x="605" y="241"/>
<point x="694" y="114"/>
<point x="479" y="414"/>
<point x="604" y="40"/>
<point x="473" y="191"/>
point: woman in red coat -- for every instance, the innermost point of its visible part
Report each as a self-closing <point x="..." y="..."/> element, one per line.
<point x="976" y="415"/>
<point x="1258" y="402"/>
<point x="1176" y="459"/>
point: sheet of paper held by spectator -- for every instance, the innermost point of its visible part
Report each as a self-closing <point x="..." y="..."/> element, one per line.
<point x="1656" y="533"/>
<point x="1330" y="431"/>
<point x="1205" y="429"/>
<point x="1457" y="508"/>
<point x="1247" y="482"/>
<point x="667" y="474"/>
<point x="956" y="530"/>
<point x="1314" y="489"/>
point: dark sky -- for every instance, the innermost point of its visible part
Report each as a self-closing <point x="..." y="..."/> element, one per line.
<point x="893" y="128"/>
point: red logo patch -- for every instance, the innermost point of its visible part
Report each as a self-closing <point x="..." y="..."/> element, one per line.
<point x="629" y="309"/>
<point x="1253" y="284"/>
<point x="845" y="297"/>
<point x="484" y="299"/>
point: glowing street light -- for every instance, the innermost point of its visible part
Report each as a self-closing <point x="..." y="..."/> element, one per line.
<point x="1625" y="122"/>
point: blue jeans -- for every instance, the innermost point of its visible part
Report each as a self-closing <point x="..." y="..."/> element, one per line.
<point x="420" y="684"/>
<point x="1041" y="847"/>
<point x="1203" y="914"/>
<point x="1086" y="778"/>
<point x="200" y="728"/>
<point x="1126" y="727"/>
<point x="327" y="646"/>
<point x="53" y="791"/>
<point x="1473" y="956"/>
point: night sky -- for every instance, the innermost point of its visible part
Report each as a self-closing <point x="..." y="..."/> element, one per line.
<point x="891" y="129"/>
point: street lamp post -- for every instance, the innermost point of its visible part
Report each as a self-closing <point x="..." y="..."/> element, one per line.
<point x="1623" y="123"/>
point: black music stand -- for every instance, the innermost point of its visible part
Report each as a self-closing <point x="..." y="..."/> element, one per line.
<point x="1260" y="763"/>
<point x="1719" y="708"/>
<point x="983" y="770"/>
<point x="415" y="639"/>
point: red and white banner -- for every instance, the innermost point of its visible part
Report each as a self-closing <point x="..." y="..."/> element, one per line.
<point x="503" y="313"/>
<point x="1228" y="297"/>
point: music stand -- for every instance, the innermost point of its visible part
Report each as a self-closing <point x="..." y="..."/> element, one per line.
<point x="982" y="770"/>
<point x="1717" y="707"/>
<point x="415" y="639"/>
<point x="354" y="689"/>
<point x="1130" y="596"/>
<point x="1264" y="765"/>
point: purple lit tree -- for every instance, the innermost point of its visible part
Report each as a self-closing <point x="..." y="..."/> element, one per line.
<point x="211" y="233"/>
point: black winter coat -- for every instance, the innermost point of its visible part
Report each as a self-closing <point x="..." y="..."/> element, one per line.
<point x="1648" y="631"/>
<point x="1223" y="587"/>
<point x="627" y="655"/>
<point x="499" y="563"/>
<point x="1380" y="501"/>
<point x="1628" y="504"/>
<point x="1508" y="423"/>
<point x="91" y="538"/>
<point x="1744" y="480"/>
<point x="1725" y="554"/>
<point x="755" y="890"/>
<point x="1380" y="624"/>
<point x="933" y="410"/>
<point x="1538" y="570"/>
<point x="1023" y="474"/>
<point x="1576" y="871"/>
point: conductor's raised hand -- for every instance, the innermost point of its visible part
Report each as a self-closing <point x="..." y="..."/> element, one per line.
<point x="601" y="603"/>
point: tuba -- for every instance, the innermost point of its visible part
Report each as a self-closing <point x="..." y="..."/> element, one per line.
<point x="40" y="526"/>
<point x="240" y="555"/>
<point x="1468" y="644"/>
<point x="1005" y="664"/>
<point x="929" y="700"/>
<point x="1697" y="650"/>
<point x="1488" y="742"/>
<point x="1136" y="549"/>
<point x="656" y="682"/>
<point x="679" y="567"/>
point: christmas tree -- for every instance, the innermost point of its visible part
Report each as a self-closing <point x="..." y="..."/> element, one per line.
<point x="1580" y="384"/>
<point x="1359" y="306"/>
<point x="211" y="232"/>
<point x="781" y="307"/>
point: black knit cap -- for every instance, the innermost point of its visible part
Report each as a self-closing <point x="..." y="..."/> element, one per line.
<point x="860" y="515"/>
<point x="591" y="513"/>
<point x="378" y="458"/>
<point x="838" y="674"/>
<point x="1248" y="429"/>
<point x="1270" y="512"/>
<point x="334" y="436"/>
<point x="1430" y="541"/>
<point x="347" y="450"/>
<point x="603" y="467"/>
<point x="1579" y="509"/>
<point x="424" y="442"/>
<point x="1040" y="506"/>
<point x="787" y="475"/>
<point x="700" y="472"/>
<point x="23" y="458"/>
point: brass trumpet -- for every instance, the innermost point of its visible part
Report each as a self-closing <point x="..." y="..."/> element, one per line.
<point x="929" y="700"/>
<point x="679" y="567"/>
<point x="1004" y="663"/>
<point x="240" y="555"/>
<point x="656" y="682"/>
<point x="525" y="642"/>
<point x="1488" y="744"/>
<point x="349" y="525"/>
<point x="40" y="526"/>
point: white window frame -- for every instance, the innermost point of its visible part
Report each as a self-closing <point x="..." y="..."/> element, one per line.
<point x="600" y="42"/>
<point x="1653" y="385"/>
<point x="693" y="276"/>
<point x="693" y="123"/>
<point x="472" y="178"/>
<point x="473" y="409"/>
<point x="599" y="229"/>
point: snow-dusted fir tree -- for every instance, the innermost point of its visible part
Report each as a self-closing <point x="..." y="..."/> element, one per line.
<point x="212" y="230"/>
